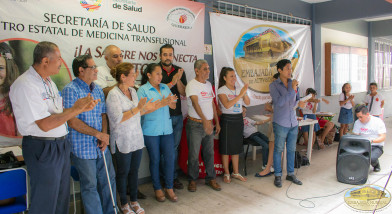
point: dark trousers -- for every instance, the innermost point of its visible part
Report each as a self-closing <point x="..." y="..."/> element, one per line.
<point x="377" y="151"/>
<point x="263" y="141"/>
<point x="127" y="170"/>
<point x="197" y="137"/>
<point x="49" y="167"/>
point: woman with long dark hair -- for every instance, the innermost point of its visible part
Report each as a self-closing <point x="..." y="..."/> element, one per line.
<point x="8" y="74"/>
<point x="157" y="129"/>
<point x="231" y="100"/>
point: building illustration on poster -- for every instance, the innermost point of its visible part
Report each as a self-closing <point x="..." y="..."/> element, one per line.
<point x="263" y="47"/>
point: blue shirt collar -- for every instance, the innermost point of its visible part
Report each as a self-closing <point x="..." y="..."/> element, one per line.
<point x="84" y="84"/>
<point x="149" y="86"/>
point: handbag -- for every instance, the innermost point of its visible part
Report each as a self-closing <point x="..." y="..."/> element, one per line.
<point x="8" y="161"/>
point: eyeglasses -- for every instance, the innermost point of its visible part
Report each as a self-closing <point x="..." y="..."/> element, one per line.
<point x="92" y="67"/>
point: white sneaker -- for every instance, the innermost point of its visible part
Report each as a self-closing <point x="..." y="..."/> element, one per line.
<point x="272" y="169"/>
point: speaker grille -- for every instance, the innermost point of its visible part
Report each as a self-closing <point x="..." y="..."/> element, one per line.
<point x="352" y="169"/>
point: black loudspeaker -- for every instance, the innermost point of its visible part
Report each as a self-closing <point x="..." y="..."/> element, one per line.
<point x="353" y="160"/>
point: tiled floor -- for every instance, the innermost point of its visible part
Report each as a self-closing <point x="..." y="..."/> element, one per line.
<point x="259" y="195"/>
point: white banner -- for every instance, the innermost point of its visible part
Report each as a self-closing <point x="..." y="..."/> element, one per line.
<point x="253" y="47"/>
<point x="138" y="27"/>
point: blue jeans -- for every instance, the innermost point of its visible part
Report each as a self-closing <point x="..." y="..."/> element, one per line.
<point x="157" y="145"/>
<point x="177" y="123"/>
<point x="377" y="151"/>
<point x="263" y="141"/>
<point x="288" y="136"/>
<point x="127" y="171"/>
<point x="94" y="183"/>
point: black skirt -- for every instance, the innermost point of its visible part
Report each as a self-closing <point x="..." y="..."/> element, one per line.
<point x="231" y="134"/>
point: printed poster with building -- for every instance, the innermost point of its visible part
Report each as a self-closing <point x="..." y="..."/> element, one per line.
<point x="253" y="47"/>
<point x="138" y="27"/>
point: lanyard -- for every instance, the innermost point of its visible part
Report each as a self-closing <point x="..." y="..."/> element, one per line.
<point x="50" y="94"/>
<point x="235" y="91"/>
<point x="51" y="91"/>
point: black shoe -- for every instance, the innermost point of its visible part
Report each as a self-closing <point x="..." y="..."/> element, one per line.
<point x="377" y="168"/>
<point x="293" y="179"/>
<point x="278" y="181"/>
<point x="177" y="184"/>
<point x="141" y="195"/>
<point x="257" y="175"/>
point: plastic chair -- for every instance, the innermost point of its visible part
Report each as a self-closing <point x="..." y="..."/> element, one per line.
<point x="248" y="142"/>
<point x="13" y="184"/>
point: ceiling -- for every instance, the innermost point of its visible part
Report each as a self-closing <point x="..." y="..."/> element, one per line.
<point x="315" y="1"/>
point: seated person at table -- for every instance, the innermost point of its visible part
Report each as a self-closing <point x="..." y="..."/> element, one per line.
<point x="309" y="113"/>
<point x="327" y="131"/>
<point x="250" y="131"/>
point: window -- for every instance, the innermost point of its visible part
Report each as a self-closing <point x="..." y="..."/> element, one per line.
<point x="345" y="64"/>
<point x="383" y="63"/>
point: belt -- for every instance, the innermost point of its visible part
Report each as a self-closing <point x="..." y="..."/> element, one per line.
<point x="47" y="138"/>
<point x="195" y="119"/>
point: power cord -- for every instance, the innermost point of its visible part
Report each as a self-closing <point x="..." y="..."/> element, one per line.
<point x="312" y="204"/>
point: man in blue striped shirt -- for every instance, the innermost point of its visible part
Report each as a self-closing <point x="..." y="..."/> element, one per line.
<point x="285" y="97"/>
<point x="87" y="132"/>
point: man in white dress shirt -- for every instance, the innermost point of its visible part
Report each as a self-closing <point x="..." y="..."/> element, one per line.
<point x="41" y="120"/>
<point x="113" y="57"/>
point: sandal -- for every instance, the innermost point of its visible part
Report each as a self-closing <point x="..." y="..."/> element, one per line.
<point x="238" y="176"/>
<point x="226" y="178"/>
<point x="320" y="144"/>
<point x="137" y="208"/>
<point x="126" y="210"/>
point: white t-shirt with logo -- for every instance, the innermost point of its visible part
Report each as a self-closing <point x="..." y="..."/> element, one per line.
<point x="231" y="94"/>
<point x="371" y="129"/>
<point x="376" y="106"/>
<point x="308" y="109"/>
<point x="205" y="95"/>
<point x="348" y="105"/>
<point x="249" y="127"/>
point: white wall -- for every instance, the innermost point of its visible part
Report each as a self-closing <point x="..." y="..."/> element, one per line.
<point x="348" y="39"/>
<point x="338" y="38"/>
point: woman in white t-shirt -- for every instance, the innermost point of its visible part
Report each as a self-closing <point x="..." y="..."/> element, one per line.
<point x="374" y="101"/>
<point x="231" y="99"/>
<point x="346" y="102"/>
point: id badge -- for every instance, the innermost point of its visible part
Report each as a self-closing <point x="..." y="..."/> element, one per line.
<point x="237" y="108"/>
